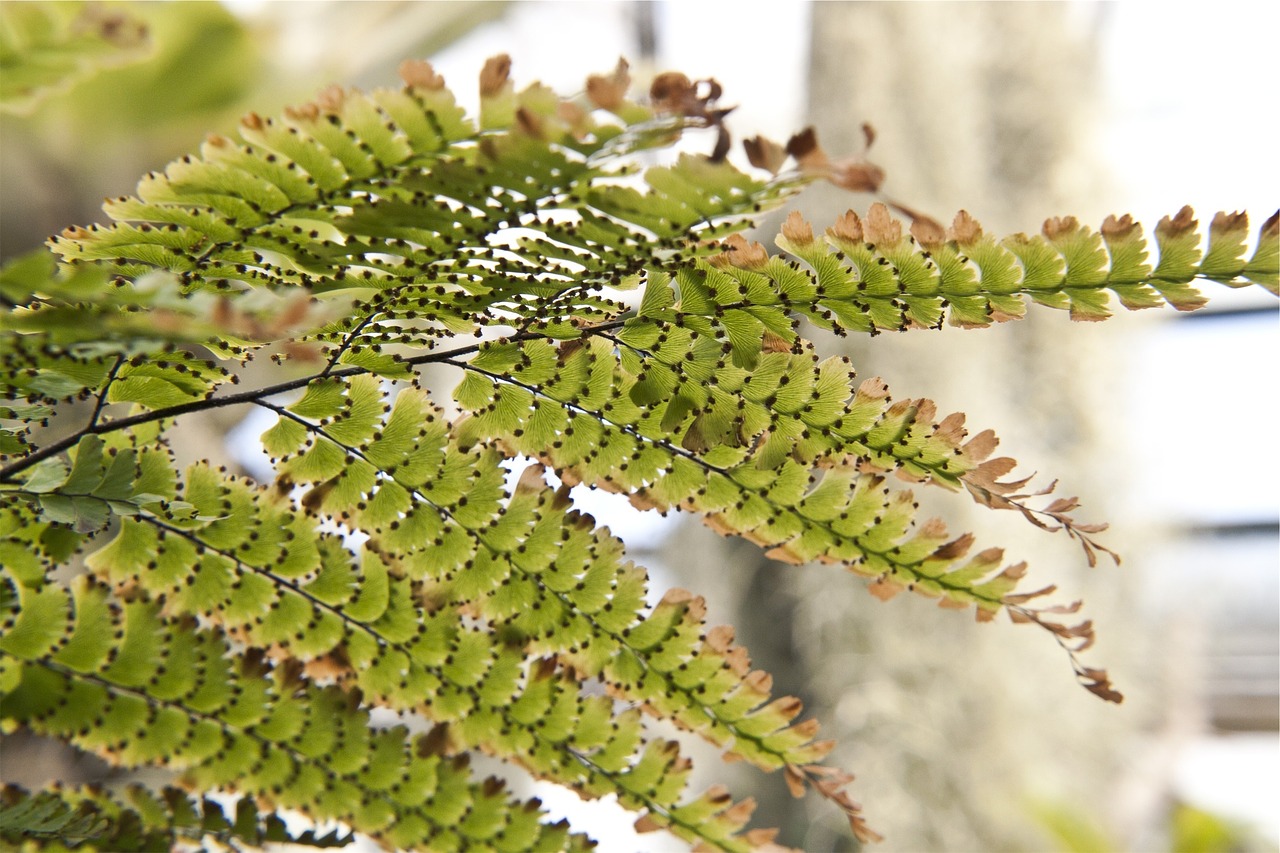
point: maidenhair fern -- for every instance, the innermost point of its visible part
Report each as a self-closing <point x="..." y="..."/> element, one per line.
<point x="610" y="327"/>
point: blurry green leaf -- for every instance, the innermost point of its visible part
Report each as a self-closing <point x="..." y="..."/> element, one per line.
<point x="49" y="47"/>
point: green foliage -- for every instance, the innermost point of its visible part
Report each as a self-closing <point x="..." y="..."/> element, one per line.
<point x="46" y="47"/>
<point x="141" y="819"/>
<point x="610" y="328"/>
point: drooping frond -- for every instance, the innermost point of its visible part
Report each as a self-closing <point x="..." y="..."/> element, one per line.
<point x="789" y="454"/>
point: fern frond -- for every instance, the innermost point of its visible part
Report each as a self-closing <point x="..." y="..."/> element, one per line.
<point x="243" y="632"/>
<point x="788" y="454"/>
<point x="538" y="577"/>
<point x="138" y="818"/>
<point x="871" y="276"/>
<point x="174" y="695"/>
<point x="395" y="200"/>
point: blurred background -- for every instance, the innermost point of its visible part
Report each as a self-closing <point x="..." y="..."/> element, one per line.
<point x="963" y="737"/>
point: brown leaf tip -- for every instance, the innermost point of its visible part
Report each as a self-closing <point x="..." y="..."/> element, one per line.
<point x="1060" y="226"/>
<point x="1180" y="224"/>
<point x="797" y="230"/>
<point x="739" y="253"/>
<point x="609" y="92"/>
<point x="418" y="74"/>
<point x="76" y="232"/>
<point x="928" y="233"/>
<point x="494" y="75"/>
<point x="309" y="111"/>
<point x="965" y="230"/>
<point x="884" y="588"/>
<point x="880" y="228"/>
<point x="1228" y="222"/>
<point x="1271" y="227"/>
<point x="720" y="638"/>
<point x="847" y="227"/>
<point x="648" y="823"/>
<point x="1118" y="229"/>
<point x="331" y="99"/>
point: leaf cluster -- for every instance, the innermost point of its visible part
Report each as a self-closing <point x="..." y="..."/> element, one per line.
<point x="339" y="640"/>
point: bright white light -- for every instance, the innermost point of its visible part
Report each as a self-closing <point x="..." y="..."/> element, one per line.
<point x="1190" y="121"/>
<point x="1203" y="430"/>
<point x="1236" y="777"/>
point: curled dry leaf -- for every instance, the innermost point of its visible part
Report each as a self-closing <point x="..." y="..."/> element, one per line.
<point x="670" y="91"/>
<point x="852" y="173"/>
<point x="857" y="175"/>
<point x="830" y="784"/>
<point x="764" y="153"/>
<point x="805" y="150"/>
<point x="674" y="93"/>
<point x="772" y="342"/>
<point x="608" y="92"/>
